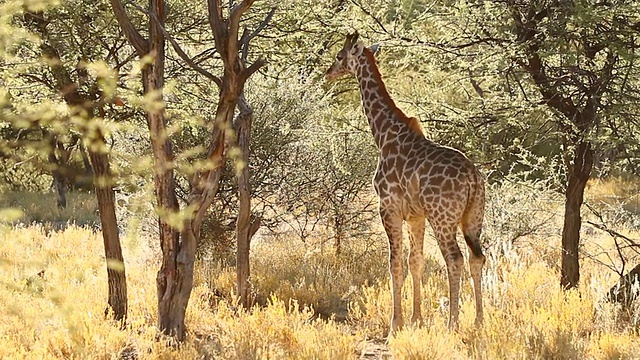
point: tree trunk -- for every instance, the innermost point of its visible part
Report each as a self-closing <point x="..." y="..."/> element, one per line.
<point x="243" y="224"/>
<point x="84" y="106"/>
<point x="59" y="188"/>
<point x="116" y="277"/>
<point x="88" y="170"/>
<point x="175" y="277"/>
<point x="579" y="173"/>
<point x="338" y="228"/>
<point x="59" y="183"/>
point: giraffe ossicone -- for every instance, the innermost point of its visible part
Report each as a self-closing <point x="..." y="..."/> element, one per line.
<point x="417" y="181"/>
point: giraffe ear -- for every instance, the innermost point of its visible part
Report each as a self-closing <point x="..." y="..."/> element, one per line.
<point x="374" y="48"/>
<point x="357" y="49"/>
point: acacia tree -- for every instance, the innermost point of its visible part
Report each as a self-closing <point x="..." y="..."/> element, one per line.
<point x="576" y="59"/>
<point x="584" y="82"/>
<point x="59" y="71"/>
<point x="180" y="231"/>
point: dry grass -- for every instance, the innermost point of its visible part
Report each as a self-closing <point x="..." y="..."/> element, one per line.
<point x="615" y="191"/>
<point x="82" y="209"/>
<point x="53" y="292"/>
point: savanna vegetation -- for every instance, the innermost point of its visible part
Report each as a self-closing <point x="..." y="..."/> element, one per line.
<point x="194" y="151"/>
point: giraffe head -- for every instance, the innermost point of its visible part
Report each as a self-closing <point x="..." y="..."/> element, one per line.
<point x="347" y="58"/>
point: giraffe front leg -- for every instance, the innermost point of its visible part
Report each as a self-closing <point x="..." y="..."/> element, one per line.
<point x="392" y="223"/>
<point x="416" y="265"/>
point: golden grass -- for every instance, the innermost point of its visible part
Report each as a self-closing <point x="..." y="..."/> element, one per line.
<point x="53" y="294"/>
<point x="58" y="313"/>
<point x="82" y="208"/>
<point x="615" y="191"/>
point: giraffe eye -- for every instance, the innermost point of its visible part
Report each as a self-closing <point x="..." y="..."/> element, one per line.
<point x="339" y="57"/>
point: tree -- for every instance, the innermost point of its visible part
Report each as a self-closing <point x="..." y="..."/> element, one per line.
<point x="584" y="84"/>
<point x="86" y="97"/>
<point x="180" y="231"/>
<point x="578" y="60"/>
<point x="233" y="49"/>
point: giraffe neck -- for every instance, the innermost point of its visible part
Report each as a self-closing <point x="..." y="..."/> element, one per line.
<point x="385" y="119"/>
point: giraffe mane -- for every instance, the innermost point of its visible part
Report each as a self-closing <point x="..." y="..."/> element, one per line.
<point x="411" y="122"/>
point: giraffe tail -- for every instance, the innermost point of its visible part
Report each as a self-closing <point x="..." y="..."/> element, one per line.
<point x="473" y="215"/>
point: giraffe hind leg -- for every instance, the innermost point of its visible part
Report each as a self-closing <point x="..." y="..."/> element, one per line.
<point x="471" y="225"/>
<point x="476" y="262"/>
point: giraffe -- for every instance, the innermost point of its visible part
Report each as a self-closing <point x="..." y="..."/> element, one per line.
<point x="417" y="180"/>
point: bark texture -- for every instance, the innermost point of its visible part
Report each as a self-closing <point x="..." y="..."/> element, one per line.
<point x="103" y="180"/>
<point x="244" y="221"/>
<point x="579" y="173"/>
<point x="86" y="105"/>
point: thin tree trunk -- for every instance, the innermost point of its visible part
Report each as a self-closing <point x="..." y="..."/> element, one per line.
<point x="59" y="188"/>
<point x="88" y="170"/>
<point x="338" y="228"/>
<point x="579" y="173"/>
<point x="59" y="183"/>
<point x="175" y="277"/>
<point x="116" y="276"/>
<point x="84" y="105"/>
<point x="243" y="224"/>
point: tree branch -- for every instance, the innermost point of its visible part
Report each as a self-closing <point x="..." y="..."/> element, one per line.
<point x="247" y="37"/>
<point x="130" y="32"/>
<point x="234" y="27"/>
<point x="179" y="50"/>
<point x="246" y="73"/>
<point x="216" y="24"/>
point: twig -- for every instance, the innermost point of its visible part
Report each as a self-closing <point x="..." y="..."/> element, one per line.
<point x="631" y="243"/>
<point x="246" y="37"/>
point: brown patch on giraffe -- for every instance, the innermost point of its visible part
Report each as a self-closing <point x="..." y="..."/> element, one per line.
<point x="412" y="162"/>
<point x="437" y="169"/>
<point x="392" y="177"/>
<point x="446" y="186"/>
<point x="411" y="122"/>
<point x="437" y="181"/>
<point x="433" y="156"/>
<point x="451" y="172"/>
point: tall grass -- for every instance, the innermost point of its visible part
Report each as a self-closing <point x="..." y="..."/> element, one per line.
<point x="314" y="304"/>
<point x="82" y="209"/>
